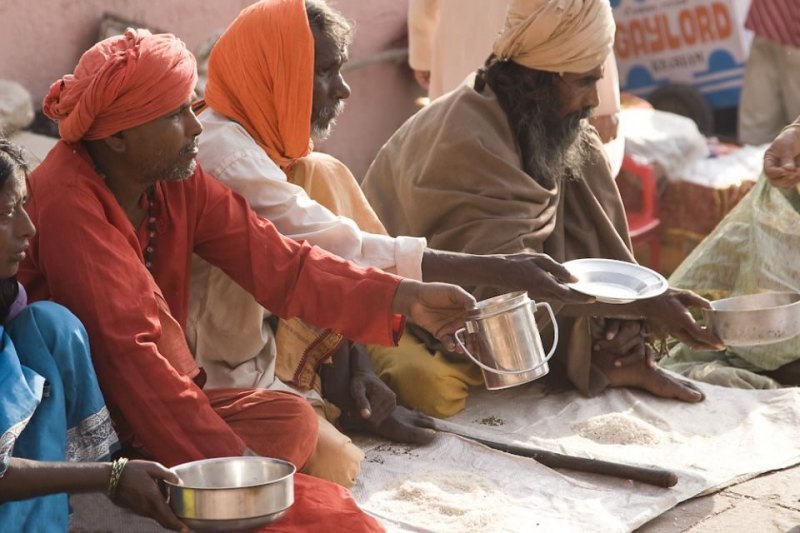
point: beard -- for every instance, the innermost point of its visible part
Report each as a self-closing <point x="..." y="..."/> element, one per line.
<point x="553" y="148"/>
<point x="182" y="168"/>
<point x="322" y="124"/>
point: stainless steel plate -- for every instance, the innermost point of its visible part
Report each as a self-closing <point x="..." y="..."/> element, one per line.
<point x="615" y="282"/>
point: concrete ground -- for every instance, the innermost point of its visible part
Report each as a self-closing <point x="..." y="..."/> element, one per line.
<point x="767" y="504"/>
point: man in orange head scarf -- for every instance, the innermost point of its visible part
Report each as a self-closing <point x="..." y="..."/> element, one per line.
<point x="274" y="83"/>
<point x="121" y="204"/>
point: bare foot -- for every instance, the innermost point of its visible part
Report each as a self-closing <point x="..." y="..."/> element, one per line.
<point x="405" y="425"/>
<point x="647" y="376"/>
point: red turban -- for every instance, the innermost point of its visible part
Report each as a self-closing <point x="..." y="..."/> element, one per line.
<point x="122" y="82"/>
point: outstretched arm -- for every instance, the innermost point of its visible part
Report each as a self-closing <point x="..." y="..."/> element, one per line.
<point x="536" y="273"/>
<point x="137" y="488"/>
<point x="667" y="314"/>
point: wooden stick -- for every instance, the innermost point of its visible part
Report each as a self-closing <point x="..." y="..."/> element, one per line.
<point x="651" y="476"/>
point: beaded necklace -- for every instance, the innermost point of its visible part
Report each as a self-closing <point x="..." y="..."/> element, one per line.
<point x="151" y="229"/>
<point x="147" y="253"/>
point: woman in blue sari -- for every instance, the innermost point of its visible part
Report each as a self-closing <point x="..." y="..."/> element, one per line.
<point x="53" y="420"/>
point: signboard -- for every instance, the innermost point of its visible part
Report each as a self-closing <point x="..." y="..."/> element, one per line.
<point x="701" y="43"/>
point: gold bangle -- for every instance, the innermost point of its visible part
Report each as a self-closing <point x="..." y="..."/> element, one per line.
<point x="116" y="474"/>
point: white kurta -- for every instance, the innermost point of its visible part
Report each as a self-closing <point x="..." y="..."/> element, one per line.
<point x="226" y="328"/>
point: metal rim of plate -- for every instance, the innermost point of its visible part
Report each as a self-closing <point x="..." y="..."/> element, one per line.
<point x="236" y="525"/>
<point x="640" y="281"/>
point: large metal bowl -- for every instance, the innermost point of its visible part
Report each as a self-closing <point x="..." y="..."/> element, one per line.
<point x="232" y="493"/>
<point x="755" y="319"/>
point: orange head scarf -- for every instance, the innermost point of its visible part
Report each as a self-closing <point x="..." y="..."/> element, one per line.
<point x="122" y="82"/>
<point x="261" y="74"/>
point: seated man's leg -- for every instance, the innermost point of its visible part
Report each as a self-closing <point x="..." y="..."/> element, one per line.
<point x="431" y="384"/>
<point x="335" y="458"/>
<point x="320" y="505"/>
<point x="272" y="423"/>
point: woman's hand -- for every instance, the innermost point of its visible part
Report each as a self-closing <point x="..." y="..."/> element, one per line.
<point x="138" y="490"/>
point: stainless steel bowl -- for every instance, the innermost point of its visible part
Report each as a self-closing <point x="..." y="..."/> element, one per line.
<point x="232" y="493"/>
<point x="755" y="319"/>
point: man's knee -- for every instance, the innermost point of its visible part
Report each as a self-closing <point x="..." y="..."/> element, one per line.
<point x="335" y="458"/>
<point x="56" y="329"/>
<point x="48" y="317"/>
<point x="305" y="420"/>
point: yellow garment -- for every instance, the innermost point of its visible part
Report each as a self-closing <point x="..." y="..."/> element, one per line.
<point x="302" y="348"/>
<point x="335" y="458"/>
<point x="429" y="383"/>
<point x="557" y="35"/>
<point x="330" y="183"/>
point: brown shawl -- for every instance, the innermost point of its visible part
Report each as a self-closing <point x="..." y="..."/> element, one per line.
<point x="453" y="174"/>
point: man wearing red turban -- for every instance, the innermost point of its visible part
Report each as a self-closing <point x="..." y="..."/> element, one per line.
<point x="121" y="204"/>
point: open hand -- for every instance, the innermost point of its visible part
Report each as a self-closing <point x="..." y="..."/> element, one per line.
<point x="138" y="491"/>
<point x="405" y="425"/>
<point x="440" y="308"/>
<point x="782" y="159"/>
<point x="669" y="314"/>
<point x="542" y="277"/>
<point x="373" y="399"/>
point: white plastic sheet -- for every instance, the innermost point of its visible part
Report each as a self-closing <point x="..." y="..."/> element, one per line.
<point x="732" y="435"/>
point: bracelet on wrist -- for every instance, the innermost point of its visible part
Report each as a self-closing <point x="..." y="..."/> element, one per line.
<point x="117" y="466"/>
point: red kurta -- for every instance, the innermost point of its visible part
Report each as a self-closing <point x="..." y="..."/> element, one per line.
<point x="88" y="257"/>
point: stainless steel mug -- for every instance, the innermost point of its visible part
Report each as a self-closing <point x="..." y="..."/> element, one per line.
<point x="502" y="338"/>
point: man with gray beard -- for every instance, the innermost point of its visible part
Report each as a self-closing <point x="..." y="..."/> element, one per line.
<point x="506" y="164"/>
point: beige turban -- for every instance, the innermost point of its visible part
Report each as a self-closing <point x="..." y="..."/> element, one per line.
<point x="557" y="35"/>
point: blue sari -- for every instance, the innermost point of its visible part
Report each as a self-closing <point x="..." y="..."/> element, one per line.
<point x="51" y="408"/>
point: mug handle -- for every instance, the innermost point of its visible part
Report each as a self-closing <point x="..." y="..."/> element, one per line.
<point x="555" y="331"/>
<point x="475" y="360"/>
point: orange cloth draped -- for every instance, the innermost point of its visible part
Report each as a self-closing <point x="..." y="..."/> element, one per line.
<point x="271" y="423"/>
<point x="88" y="257"/>
<point x="323" y="506"/>
<point x="120" y="83"/>
<point x="329" y="182"/>
<point x="261" y="74"/>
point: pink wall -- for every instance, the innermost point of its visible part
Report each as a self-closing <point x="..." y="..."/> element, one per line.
<point x="41" y="40"/>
